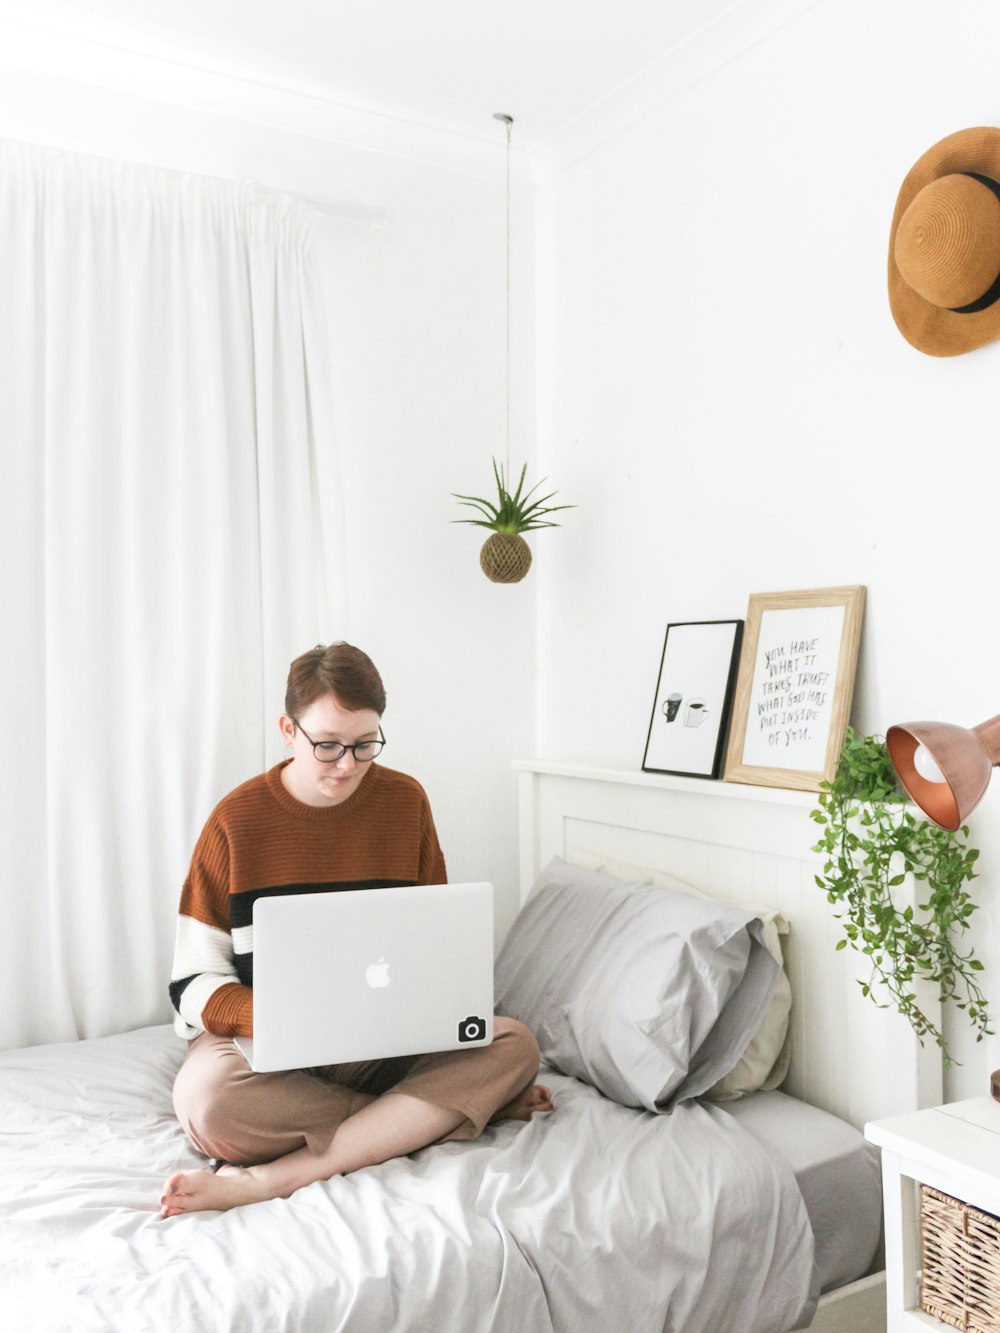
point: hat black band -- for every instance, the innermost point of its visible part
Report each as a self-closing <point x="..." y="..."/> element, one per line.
<point x="990" y="296"/>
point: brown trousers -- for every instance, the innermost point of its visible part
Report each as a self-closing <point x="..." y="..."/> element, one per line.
<point x="235" y="1115"/>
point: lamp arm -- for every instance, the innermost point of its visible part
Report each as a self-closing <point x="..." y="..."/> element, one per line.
<point x="987" y="736"/>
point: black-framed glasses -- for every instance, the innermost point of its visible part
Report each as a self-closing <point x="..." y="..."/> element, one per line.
<point x="331" y="752"/>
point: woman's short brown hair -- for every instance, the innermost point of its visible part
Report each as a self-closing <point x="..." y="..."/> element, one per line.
<point x="338" y="669"/>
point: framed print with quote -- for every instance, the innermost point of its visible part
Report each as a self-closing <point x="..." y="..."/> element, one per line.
<point x="795" y="686"/>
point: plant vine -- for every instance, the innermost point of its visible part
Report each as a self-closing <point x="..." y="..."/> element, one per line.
<point x="872" y="840"/>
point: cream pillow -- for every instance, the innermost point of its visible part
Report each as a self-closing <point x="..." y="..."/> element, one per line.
<point x="764" y="1065"/>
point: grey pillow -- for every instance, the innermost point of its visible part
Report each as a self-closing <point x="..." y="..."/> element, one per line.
<point x="648" y="994"/>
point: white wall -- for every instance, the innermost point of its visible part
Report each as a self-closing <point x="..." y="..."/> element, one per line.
<point x="417" y="350"/>
<point x="723" y="390"/>
<point x="720" y="388"/>
<point x="416" y="306"/>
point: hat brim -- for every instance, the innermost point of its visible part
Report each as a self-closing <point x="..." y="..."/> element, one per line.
<point x="928" y="327"/>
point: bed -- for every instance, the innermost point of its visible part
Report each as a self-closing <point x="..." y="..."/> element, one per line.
<point x="697" y="1217"/>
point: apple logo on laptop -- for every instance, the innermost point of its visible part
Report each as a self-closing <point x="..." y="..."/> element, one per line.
<point x="377" y="974"/>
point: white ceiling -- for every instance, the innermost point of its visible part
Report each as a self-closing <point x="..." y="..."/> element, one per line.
<point x="443" y="65"/>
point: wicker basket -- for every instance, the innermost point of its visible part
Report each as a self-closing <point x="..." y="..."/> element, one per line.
<point x="960" y="1257"/>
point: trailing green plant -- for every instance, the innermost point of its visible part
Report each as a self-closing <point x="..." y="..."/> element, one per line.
<point x="872" y="840"/>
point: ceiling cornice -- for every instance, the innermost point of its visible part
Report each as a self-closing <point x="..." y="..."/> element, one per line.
<point x="742" y="26"/>
<point x="82" y="62"/>
<point x="99" y="65"/>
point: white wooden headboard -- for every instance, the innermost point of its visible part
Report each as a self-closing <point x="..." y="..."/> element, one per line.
<point x="735" y="841"/>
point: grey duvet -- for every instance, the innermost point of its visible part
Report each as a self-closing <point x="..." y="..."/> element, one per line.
<point x="591" y="1219"/>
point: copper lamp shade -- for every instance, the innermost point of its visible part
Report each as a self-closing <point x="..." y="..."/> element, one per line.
<point x="966" y="759"/>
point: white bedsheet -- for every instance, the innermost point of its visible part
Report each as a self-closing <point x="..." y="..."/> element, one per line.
<point x="591" y="1219"/>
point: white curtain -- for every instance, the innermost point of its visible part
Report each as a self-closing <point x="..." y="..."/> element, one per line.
<point x="170" y="540"/>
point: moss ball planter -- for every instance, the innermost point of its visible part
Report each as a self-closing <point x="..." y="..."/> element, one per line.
<point x="506" y="556"/>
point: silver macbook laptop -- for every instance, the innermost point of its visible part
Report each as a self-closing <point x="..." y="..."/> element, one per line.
<point x="363" y="974"/>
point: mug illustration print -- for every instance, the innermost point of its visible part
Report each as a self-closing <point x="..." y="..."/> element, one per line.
<point x="695" y="713"/>
<point x="671" y="705"/>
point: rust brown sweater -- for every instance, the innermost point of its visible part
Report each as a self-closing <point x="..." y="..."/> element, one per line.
<point x="259" y="840"/>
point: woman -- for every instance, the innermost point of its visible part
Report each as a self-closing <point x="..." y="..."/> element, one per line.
<point x="325" y="819"/>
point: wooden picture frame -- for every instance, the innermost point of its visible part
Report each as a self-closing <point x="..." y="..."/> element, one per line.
<point x="795" y="686"/>
<point x="694" y="698"/>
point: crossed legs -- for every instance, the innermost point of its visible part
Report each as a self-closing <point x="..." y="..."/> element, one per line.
<point x="292" y="1129"/>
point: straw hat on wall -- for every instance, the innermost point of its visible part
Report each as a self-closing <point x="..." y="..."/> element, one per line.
<point x="944" y="247"/>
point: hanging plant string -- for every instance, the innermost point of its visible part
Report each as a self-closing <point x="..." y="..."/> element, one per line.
<point x="508" y="121"/>
<point x="506" y="556"/>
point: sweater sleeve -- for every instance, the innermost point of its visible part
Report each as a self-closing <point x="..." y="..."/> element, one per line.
<point x="204" y="986"/>
<point x="432" y="866"/>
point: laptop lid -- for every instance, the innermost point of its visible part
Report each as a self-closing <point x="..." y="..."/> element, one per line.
<point x="363" y="974"/>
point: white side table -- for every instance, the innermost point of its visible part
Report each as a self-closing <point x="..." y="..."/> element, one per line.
<point x="954" y="1149"/>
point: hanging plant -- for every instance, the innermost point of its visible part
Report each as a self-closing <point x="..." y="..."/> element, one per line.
<point x="506" y="556"/>
<point x="872" y="841"/>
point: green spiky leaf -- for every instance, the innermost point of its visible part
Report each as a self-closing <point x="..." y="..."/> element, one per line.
<point x="511" y="512"/>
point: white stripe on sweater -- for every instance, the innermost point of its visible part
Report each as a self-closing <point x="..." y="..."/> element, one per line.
<point x="201" y="948"/>
<point x="206" y="954"/>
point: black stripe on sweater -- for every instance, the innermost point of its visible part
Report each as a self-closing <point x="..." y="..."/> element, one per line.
<point x="177" y="989"/>
<point x="241" y="904"/>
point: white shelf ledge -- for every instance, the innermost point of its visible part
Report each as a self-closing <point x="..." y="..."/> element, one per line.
<point x="714" y="788"/>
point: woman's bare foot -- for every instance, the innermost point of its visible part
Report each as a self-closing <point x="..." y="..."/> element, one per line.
<point x="534" y="1100"/>
<point x="197" y="1191"/>
<point x="403" y="1125"/>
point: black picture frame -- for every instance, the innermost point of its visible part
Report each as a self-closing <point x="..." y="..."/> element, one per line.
<point x="694" y="698"/>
